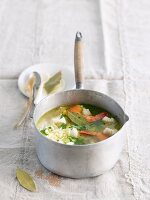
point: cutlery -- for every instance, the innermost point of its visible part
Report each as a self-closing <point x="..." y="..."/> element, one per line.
<point x="32" y="85"/>
<point x="35" y="91"/>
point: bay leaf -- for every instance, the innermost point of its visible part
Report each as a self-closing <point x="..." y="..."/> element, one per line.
<point x="95" y="126"/>
<point x="53" y="82"/>
<point x="77" y="118"/>
<point x="25" y="180"/>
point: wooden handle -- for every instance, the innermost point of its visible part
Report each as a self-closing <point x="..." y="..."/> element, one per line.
<point x="78" y="61"/>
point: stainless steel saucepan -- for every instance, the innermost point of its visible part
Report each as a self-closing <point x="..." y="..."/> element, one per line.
<point x="80" y="161"/>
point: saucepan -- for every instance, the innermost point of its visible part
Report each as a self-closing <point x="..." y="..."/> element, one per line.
<point x="80" y="161"/>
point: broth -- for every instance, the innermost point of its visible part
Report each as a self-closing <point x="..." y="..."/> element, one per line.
<point x="78" y="124"/>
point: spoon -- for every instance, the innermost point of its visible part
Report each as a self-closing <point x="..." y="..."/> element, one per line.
<point x="35" y="88"/>
<point x="32" y="85"/>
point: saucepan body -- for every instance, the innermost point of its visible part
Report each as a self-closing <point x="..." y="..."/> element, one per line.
<point x="80" y="161"/>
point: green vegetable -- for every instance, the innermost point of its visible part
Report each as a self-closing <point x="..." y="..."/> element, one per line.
<point x="79" y="140"/>
<point x="117" y="125"/>
<point x="95" y="126"/>
<point x="66" y="140"/>
<point x="66" y="118"/>
<point x="98" y="125"/>
<point x="25" y="180"/>
<point x="78" y="127"/>
<point x="77" y="118"/>
<point x="53" y="82"/>
<point x="43" y="132"/>
<point x="63" y="126"/>
<point x="93" y="109"/>
<point x="71" y="138"/>
<point x="82" y="124"/>
<point x="61" y="116"/>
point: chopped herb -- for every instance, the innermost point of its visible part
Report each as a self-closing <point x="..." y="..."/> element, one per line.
<point x="71" y="138"/>
<point x="49" y="127"/>
<point x="80" y="141"/>
<point x="93" y="109"/>
<point x="43" y="132"/>
<point x="61" y="116"/>
<point x="63" y="126"/>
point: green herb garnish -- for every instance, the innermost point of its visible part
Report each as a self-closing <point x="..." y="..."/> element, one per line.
<point x="93" y="109"/>
<point x="63" y="126"/>
<point x="61" y="116"/>
<point x="79" y="140"/>
<point x="43" y="132"/>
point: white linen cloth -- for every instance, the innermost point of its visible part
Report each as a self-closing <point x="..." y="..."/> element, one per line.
<point x="117" y="63"/>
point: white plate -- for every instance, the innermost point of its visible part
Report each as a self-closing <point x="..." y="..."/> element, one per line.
<point x="46" y="70"/>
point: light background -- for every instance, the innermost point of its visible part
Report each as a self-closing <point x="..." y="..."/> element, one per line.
<point x="117" y="62"/>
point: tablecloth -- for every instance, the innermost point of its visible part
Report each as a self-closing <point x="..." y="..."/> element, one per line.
<point x="117" y="49"/>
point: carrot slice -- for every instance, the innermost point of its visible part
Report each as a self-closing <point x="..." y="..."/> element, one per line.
<point x="96" y="117"/>
<point x="99" y="135"/>
<point x="76" y="109"/>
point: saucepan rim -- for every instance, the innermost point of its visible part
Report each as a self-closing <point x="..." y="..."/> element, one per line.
<point x="85" y="145"/>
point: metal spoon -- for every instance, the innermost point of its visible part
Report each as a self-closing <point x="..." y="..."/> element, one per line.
<point x="33" y="84"/>
<point x="35" y="88"/>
